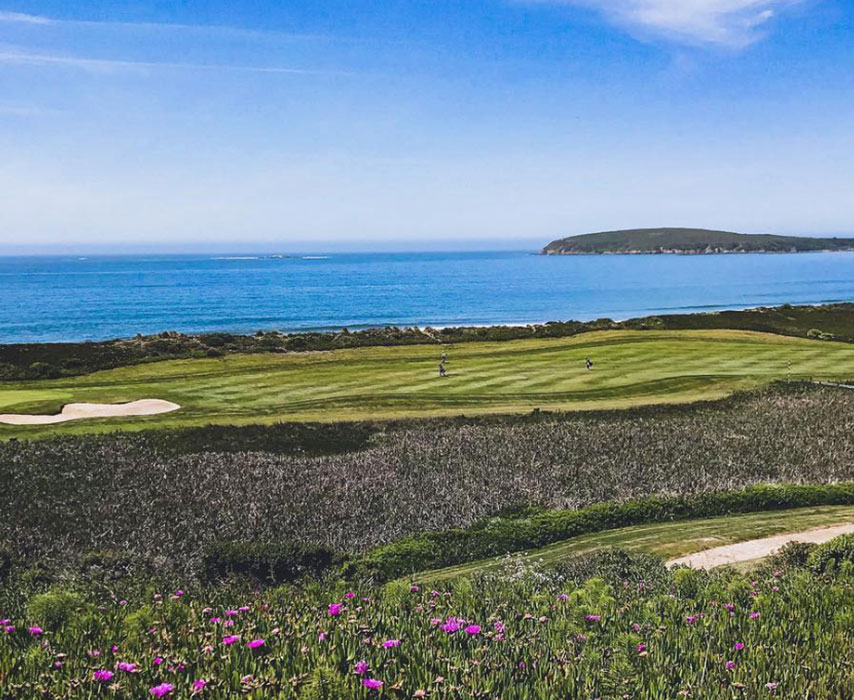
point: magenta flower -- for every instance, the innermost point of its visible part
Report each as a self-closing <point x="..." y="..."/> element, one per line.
<point x="730" y="665"/>
<point x="230" y="613"/>
<point x="372" y="683"/>
<point x="349" y="595"/>
<point x="641" y="647"/>
<point x="215" y="620"/>
<point x="178" y="593"/>
<point x="738" y="646"/>
<point x="322" y="636"/>
<point x="473" y="630"/>
<point x="256" y="643"/>
<point x="754" y="615"/>
<point x="451" y="626"/>
<point x="126" y="667"/>
<point x="199" y="685"/>
<point x="230" y="639"/>
<point x="102" y="676"/>
<point x="361" y="668"/>
<point x="690" y="619"/>
<point x="161" y="690"/>
<point x="771" y="686"/>
<point x="158" y="660"/>
<point x="498" y="626"/>
<point x="563" y="597"/>
<point x="243" y="608"/>
<point x="35" y="631"/>
<point x="592" y="618"/>
<point x="391" y="643"/>
<point x="414" y="588"/>
<point x="8" y="629"/>
<point x="334" y="609"/>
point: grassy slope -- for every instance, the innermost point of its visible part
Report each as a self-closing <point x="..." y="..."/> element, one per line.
<point x="632" y="368"/>
<point x="668" y="540"/>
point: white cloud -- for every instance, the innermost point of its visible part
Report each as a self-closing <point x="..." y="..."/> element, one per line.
<point x="99" y="65"/>
<point x="723" y="22"/>
<point x="21" y="18"/>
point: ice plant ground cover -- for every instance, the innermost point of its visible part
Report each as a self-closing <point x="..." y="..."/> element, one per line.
<point x="517" y="635"/>
<point x="66" y="497"/>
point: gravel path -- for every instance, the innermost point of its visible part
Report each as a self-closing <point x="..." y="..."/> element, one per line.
<point x="757" y="549"/>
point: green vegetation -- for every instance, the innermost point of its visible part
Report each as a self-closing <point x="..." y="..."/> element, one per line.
<point x="614" y="625"/>
<point x="689" y="241"/>
<point x="631" y="368"/>
<point x="668" y="540"/>
<point x="497" y="536"/>
<point x="408" y="496"/>
<point x="832" y="555"/>
<point x="54" y="360"/>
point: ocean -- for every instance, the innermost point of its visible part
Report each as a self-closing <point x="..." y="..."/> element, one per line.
<point x="51" y="299"/>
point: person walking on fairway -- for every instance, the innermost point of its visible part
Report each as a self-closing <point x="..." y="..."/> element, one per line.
<point x="589" y="363"/>
<point x="444" y="357"/>
<point x="442" y="371"/>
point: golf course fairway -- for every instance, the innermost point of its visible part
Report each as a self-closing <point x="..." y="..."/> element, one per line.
<point x="630" y="368"/>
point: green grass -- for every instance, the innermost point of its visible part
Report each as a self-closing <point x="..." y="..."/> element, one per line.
<point x="667" y="540"/>
<point x="631" y="368"/>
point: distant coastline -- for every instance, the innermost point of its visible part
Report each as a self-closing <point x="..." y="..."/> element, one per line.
<point x="690" y="241"/>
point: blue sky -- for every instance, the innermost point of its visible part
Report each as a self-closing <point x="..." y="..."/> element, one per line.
<point x="441" y="123"/>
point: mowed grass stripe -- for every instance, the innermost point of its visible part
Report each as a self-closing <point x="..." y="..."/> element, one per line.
<point x="630" y="368"/>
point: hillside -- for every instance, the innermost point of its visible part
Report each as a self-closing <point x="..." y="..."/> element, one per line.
<point x="689" y="241"/>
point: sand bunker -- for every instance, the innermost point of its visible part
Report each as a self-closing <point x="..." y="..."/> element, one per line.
<point x="758" y="549"/>
<point x="76" y="411"/>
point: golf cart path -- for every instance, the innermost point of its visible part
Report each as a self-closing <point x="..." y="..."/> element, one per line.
<point x="758" y="549"/>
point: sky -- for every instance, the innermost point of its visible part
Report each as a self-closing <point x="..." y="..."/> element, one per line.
<point x="419" y="124"/>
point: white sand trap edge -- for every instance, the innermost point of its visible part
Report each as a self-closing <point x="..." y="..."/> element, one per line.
<point x="758" y="549"/>
<point x="76" y="411"/>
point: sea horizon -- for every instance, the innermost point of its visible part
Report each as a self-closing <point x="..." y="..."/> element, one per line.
<point x="71" y="298"/>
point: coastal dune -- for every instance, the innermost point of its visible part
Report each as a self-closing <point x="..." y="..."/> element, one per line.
<point x="77" y="411"/>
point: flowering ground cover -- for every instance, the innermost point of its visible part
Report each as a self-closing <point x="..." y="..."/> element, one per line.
<point x="64" y="498"/>
<point x="642" y="634"/>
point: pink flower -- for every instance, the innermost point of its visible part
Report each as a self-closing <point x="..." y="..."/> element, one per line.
<point x="161" y="690"/>
<point x="178" y="593"/>
<point x="738" y="646"/>
<point x="35" y="631"/>
<point x="230" y="613"/>
<point x="361" y="668"/>
<point x="372" y="683"/>
<point x="592" y="618"/>
<point x="349" y="595"/>
<point x="473" y="630"/>
<point x="158" y="660"/>
<point x="230" y="639"/>
<point x="334" y="609"/>
<point x="247" y="679"/>
<point x="690" y="619"/>
<point x="256" y="643"/>
<point x="8" y="629"/>
<point x="126" y="667"/>
<point x="215" y="620"/>
<point x="243" y="608"/>
<point x="102" y="676"/>
<point x="414" y="588"/>
<point x="641" y="647"/>
<point x="754" y="615"/>
<point x="498" y="626"/>
<point x="771" y="686"/>
<point x="563" y="597"/>
<point x="451" y="626"/>
<point x="199" y="685"/>
<point x="730" y="665"/>
<point x="322" y="636"/>
<point x="391" y="643"/>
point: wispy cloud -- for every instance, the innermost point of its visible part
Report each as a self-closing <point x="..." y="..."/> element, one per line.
<point x="22" y="18"/>
<point x="733" y="23"/>
<point x="101" y="65"/>
<point x="219" y="29"/>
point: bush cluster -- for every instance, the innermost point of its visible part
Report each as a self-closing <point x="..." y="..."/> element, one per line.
<point x="270" y="563"/>
<point x="830" y="556"/>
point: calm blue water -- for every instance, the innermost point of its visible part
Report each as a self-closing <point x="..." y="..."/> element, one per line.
<point x="66" y="298"/>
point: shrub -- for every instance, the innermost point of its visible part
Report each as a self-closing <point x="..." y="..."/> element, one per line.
<point x="52" y="610"/>
<point x="829" y="556"/>
<point x="617" y="567"/>
<point x="792" y="555"/>
<point x="7" y="559"/>
<point x="324" y="684"/>
<point x="275" y="562"/>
